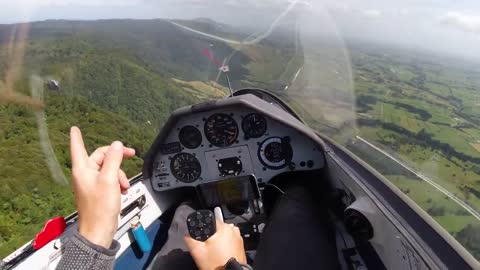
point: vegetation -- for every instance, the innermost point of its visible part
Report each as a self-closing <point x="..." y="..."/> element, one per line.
<point x="120" y="79"/>
<point x="423" y="110"/>
<point x="470" y="237"/>
<point x="111" y="86"/>
<point x="24" y="169"/>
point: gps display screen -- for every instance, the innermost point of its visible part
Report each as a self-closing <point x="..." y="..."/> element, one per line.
<point x="228" y="191"/>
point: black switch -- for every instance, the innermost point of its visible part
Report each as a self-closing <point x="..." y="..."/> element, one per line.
<point x="310" y="163"/>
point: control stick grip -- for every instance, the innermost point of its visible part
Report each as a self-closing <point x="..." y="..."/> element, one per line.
<point x="201" y="225"/>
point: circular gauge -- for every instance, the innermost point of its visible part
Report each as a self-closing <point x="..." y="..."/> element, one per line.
<point x="275" y="152"/>
<point x="221" y="130"/>
<point x="185" y="167"/>
<point x="254" y="125"/>
<point x="190" y="137"/>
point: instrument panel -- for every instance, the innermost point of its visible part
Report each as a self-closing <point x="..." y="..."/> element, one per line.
<point x="216" y="145"/>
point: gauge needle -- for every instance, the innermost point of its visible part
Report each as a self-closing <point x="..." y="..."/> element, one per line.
<point x="229" y="132"/>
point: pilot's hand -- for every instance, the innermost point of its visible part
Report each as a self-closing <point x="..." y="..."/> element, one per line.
<point x="215" y="252"/>
<point x="97" y="184"/>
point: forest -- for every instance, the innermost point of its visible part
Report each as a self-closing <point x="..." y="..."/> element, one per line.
<point x="120" y="80"/>
<point x="114" y="87"/>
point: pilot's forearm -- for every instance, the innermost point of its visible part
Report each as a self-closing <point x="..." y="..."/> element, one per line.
<point x="81" y="254"/>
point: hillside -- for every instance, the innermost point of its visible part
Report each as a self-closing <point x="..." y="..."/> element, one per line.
<point x="119" y="80"/>
<point x="29" y="195"/>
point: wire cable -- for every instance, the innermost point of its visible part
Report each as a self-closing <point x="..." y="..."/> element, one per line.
<point x="276" y="187"/>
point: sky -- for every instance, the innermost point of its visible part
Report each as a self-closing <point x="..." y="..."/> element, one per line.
<point x="449" y="26"/>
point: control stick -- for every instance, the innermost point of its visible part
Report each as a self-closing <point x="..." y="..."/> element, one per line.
<point x="201" y="224"/>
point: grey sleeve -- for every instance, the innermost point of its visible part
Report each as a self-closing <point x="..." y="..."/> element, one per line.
<point x="81" y="254"/>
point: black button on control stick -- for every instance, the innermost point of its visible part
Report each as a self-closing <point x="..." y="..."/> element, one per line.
<point x="201" y="225"/>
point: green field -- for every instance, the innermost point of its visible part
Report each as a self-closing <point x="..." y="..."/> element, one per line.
<point x="426" y="115"/>
<point x="422" y="109"/>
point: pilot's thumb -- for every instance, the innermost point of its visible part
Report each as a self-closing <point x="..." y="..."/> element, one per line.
<point x="113" y="160"/>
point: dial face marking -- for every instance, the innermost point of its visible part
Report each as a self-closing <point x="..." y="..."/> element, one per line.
<point x="274" y="153"/>
<point x="221" y="130"/>
<point x="254" y="125"/>
<point x="185" y="167"/>
<point x="190" y="137"/>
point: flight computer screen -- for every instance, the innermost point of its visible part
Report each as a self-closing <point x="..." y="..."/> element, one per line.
<point x="229" y="191"/>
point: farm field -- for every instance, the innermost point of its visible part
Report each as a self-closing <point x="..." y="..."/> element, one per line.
<point x="424" y="111"/>
<point x="421" y="109"/>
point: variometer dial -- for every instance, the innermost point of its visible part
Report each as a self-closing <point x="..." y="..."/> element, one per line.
<point x="254" y="125"/>
<point x="190" y="137"/>
<point x="185" y="167"/>
<point x="221" y="130"/>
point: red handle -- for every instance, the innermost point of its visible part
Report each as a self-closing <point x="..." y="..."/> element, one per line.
<point x="52" y="229"/>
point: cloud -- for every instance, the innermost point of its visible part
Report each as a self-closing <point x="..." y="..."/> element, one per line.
<point x="403" y="11"/>
<point x="244" y="4"/>
<point x="78" y="3"/>
<point x="372" y="13"/>
<point x="467" y="23"/>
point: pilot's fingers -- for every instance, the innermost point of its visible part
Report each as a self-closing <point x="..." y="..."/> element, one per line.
<point x="99" y="154"/>
<point x="123" y="180"/>
<point x="97" y="157"/>
<point x="128" y="152"/>
<point x="192" y="243"/>
<point x="78" y="154"/>
<point x="113" y="160"/>
<point x="219" y="225"/>
<point x="236" y="230"/>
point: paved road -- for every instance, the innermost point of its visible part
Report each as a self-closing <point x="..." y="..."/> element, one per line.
<point x="426" y="179"/>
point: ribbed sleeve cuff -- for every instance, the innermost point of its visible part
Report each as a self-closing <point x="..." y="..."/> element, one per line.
<point x="95" y="250"/>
